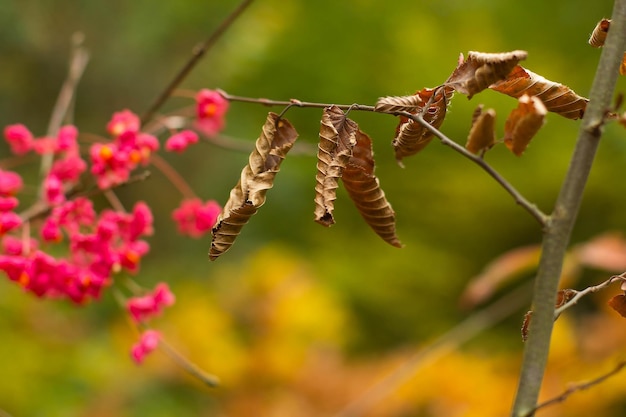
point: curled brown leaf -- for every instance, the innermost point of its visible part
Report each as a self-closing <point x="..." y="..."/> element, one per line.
<point x="276" y="139"/>
<point x="482" y="135"/>
<point x="523" y="123"/>
<point x="364" y="190"/>
<point x="598" y="36"/>
<point x="409" y="104"/>
<point x="337" y="138"/>
<point x="480" y="70"/>
<point x="412" y="137"/>
<point x="557" y="98"/>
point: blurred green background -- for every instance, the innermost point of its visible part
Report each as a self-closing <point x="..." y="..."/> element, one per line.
<point x="57" y="360"/>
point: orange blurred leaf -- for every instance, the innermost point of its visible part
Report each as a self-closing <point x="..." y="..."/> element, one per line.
<point x="337" y="138"/>
<point x="276" y="139"/>
<point x="618" y="303"/>
<point x="480" y="70"/>
<point x="501" y="270"/>
<point x="606" y="252"/>
<point x="412" y="137"/>
<point x="482" y="135"/>
<point x="364" y="190"/>
<point x="557" y="98"/>
<point x="523" y="123"/>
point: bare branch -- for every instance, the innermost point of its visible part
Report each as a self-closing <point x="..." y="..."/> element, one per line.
<point x="589" y="290"/>
<point x="531" y="208"/>
<point x="577" y="387"/>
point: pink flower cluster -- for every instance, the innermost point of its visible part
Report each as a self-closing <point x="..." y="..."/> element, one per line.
<point x="68" y="164"/>
<point x="211" y="108"/>
<point x="148" y="341"/>
<point x="150" y="305"/>
<point x="112" y="162"/>
<point x="99" y="246"/>
<point x="10" y="184"/>
<point x="195" y="218"/>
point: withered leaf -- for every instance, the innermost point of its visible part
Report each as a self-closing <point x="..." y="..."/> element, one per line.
<point x="337" y="138"/>
<point x="276" y="139"/>
<point x="480" y="70"/>
<point x="618" y="303"/>
<point x="364" y="190"/>
<point x="523" y="123"/>
<point x="598" y="36"/>
<point x="482" y="135"/>
<point x="562" y="297"/>
<point x="557" y="98"/>
<point x="412" y="137"/>
<point x="409" y="104"/>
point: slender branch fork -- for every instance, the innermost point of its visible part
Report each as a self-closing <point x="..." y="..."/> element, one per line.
<point x="580" y="294"/>
<point x="531" y="208"/>
<point x="197" y="55"/>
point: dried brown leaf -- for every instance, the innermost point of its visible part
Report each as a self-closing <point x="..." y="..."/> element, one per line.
<point x="482" y="135"/>
<point x="364" y="190"/>
<point x="409" y="104"/>
<point x="598" y="36"/>
<point x="562" y="297"/>
<point x="480" y="70"/>
<point x="557" y="98"/>
<point x="337" y="138"/>
<point x="523" y="123"/>
<point x="276" y="139"/>
<point x="412" y="137"/>
<point x="618" y="303"/>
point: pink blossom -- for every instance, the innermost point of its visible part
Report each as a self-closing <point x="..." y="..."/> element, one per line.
<point x="122" y="122"/>
<point x="53" y="190"/>
<point x="69" y="168"/>
<point x="195" y="218"/>
<point x="10" y="183"/>
<point x="152" y="304"/>
<point x="148" y="341"/>
<point x="66" y="139"/>
<point x="110" y="165"/>
<point x="211" y="109"/>
<point x="8" y="203"/>
<point x="45" y="145"/>
<point x="9" y="221"/>
<point x="12" y="245"/>
<point x="180" y="141"/>
<point x="19" y="138"/>
<point x="50" y="231"/>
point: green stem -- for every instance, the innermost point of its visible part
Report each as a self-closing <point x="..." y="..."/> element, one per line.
<point x="558" y="229"/>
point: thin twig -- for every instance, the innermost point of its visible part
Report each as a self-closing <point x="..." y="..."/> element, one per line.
<point x="577" y="387"/>
<point x="78" y="61"/>
<point x="197" y="54"/>
<point x="531" y="208"/>
<point x="173" y="176"/>
<point x="191" y="368"/>
<point x="589" y="290"/>
<point x="293" y="102"/>
<point x="447" y="342"/>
